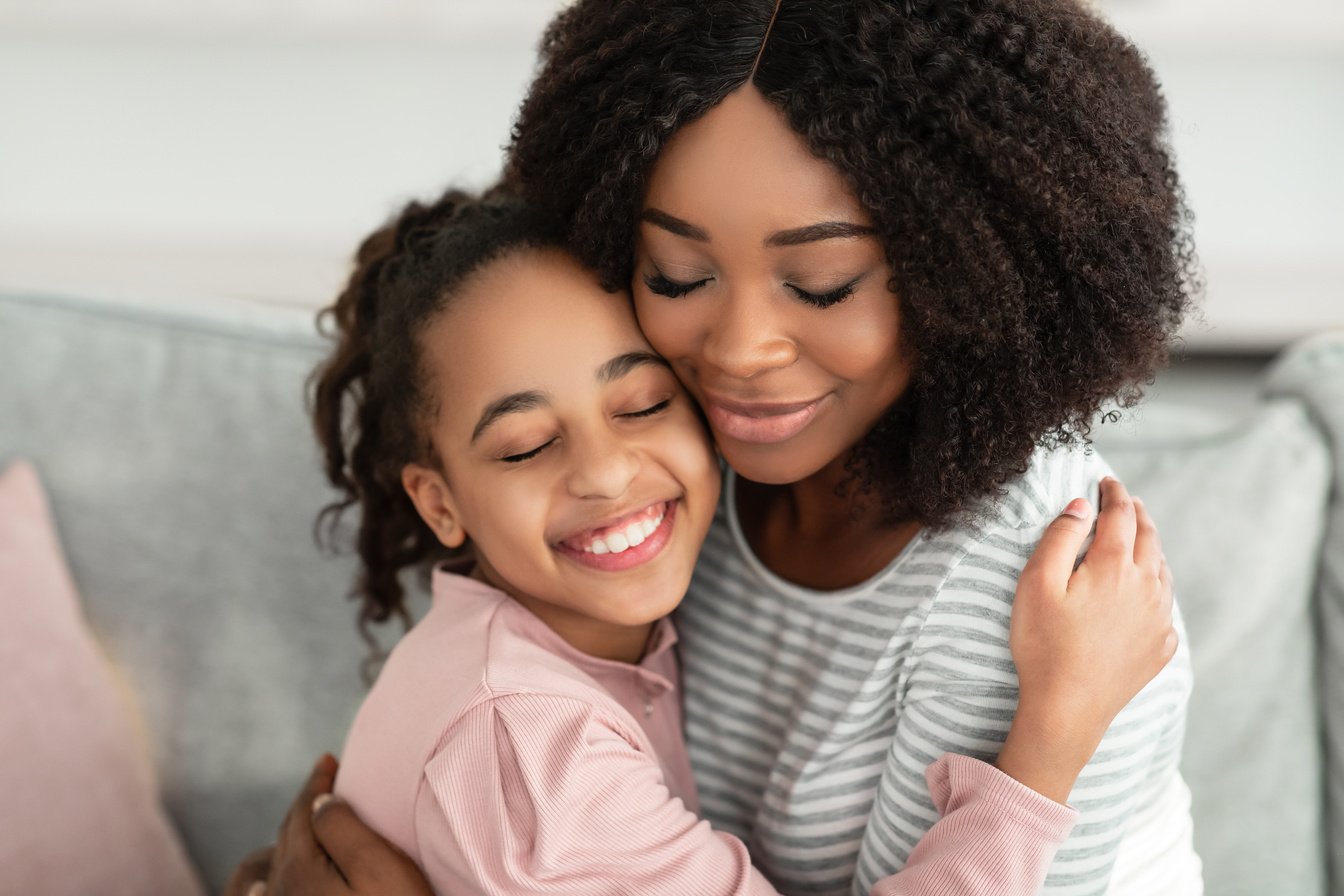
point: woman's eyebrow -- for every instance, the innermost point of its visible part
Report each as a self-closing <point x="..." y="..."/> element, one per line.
<point x="674" y="225"/>
<point x="620" y="365"/>
<point x="509" y="404"/>
<point x="827" y="230"/>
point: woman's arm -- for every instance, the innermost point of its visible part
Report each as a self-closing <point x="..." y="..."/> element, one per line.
<point x="1084" y="645"/>
<point x="323" y="849"/>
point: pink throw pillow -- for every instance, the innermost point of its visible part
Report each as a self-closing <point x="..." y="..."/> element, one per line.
<point x="79" y="809"/>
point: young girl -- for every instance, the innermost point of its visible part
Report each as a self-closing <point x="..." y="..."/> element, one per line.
<point x="489" y="401"/>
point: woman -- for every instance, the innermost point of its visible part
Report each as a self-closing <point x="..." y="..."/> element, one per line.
<point x="901" y="253"/>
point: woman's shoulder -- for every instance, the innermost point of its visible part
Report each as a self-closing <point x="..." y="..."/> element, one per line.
<point x="993" y="544"/>
<point x="1053" y="477"/>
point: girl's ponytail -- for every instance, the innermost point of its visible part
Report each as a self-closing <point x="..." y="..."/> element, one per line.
<point x="366" y="429"/>
<point x="367" y="400"/>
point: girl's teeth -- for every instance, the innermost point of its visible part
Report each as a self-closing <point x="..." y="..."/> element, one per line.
<point x="618" y="542"/>
<point x="635" y="534"/>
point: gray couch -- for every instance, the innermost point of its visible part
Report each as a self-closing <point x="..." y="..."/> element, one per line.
<point x="184" y="481"/>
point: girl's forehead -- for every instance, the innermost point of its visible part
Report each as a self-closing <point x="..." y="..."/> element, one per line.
<point x="535" y="319"/>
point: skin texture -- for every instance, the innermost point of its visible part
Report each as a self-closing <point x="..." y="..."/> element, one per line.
<point x="591" y="452"/>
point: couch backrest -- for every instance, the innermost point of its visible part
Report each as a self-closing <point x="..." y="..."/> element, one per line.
<point x="184" y="481"/>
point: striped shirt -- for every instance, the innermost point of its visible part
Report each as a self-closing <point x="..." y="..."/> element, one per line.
<point x="812" y="716"/>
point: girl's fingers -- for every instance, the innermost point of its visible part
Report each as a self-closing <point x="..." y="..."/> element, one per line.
<point x="1168" y="587"/>
<point x="1116" y="527"/>
<point x="1147" y="544"/>
<point x="1051" y="564"/>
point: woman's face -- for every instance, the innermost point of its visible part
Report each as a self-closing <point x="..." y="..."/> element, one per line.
<point x="759" y="277"/>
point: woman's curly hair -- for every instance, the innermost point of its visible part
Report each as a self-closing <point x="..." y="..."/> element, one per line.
<point x="1012" y="154"/>
<point x="372" y="402"/>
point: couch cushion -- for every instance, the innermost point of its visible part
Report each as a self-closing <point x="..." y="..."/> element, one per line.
<point x="1313" y="373"/>
<point x="1240" y="504"/>
<point x="82" y="813"/>
<point x="185" y="481"/>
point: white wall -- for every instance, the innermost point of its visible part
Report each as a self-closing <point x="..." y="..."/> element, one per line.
<point x="190" y="148"/>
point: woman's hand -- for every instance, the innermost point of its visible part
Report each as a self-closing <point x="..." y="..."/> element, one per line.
<point x="1085" y="641"/>
<point x="325" y="850"/>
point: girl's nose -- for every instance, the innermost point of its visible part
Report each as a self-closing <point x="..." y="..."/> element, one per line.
<point x="748" y="338"/>
<point x="603" y="466"/>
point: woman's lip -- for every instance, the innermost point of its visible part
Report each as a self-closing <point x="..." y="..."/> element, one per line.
<point x="760" y="424"/>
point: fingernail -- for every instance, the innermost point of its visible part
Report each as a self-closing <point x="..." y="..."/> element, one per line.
<point x="257" y="889"/>
<point x="323" y="799"/>
<point x="1079" y="508"/>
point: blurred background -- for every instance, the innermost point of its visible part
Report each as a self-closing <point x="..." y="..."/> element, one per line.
<point x="178" y="150"/>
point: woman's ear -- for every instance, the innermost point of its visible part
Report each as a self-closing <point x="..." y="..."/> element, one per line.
<point x="433" y="500"/>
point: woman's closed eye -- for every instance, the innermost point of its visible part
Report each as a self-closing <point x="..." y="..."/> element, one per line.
<point x="825" y="299"/>
<point x="659" y="284"/>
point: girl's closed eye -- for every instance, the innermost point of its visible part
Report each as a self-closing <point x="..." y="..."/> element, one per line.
<point x="520" y="456"/>
<point x="649" y="411"/>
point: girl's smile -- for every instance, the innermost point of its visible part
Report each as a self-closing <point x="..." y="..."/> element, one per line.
<point x="634" y="539"/>
<point x="568" y="454"/>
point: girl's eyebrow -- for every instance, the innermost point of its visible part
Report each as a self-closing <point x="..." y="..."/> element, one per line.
<point x="826" y="230"/>
<point x="509" y="404"/>
<point x="518" y="402"/>
<point x="620" y="365"/>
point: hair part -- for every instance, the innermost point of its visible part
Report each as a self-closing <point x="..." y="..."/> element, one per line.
<point x="371" y="400"/>
<point x="1012" y="154"/>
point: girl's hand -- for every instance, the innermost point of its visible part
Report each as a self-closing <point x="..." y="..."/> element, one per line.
<point x="325" y="850"/>
<point x="1085" y="641"/>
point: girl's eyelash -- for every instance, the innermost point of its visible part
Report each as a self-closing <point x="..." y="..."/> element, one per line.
<point x="526" y="455"/>
<point x="651" y="410"/>
<point x="825" y="299"/>
<point x="659" y="284"/>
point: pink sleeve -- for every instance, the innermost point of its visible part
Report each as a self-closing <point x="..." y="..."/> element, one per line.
<point x="532" y="794"/>
<point x="996" y="835"/>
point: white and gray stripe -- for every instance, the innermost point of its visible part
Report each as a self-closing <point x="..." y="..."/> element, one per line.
<point x="812" y="716"/>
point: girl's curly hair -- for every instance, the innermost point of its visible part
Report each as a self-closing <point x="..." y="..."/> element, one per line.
<point x="370" y="399"/>
<point x="1012" y="153"/>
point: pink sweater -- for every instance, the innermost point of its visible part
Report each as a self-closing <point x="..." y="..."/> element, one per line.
<point x="504" y="761"/>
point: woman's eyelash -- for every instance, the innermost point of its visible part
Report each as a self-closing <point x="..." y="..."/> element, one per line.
<point x="659" y="284"/>
<point x="825" y="299"/>
<point x="651" y="410"/>
<point x="526" y="455"/>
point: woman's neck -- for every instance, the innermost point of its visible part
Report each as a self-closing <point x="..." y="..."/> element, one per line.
<point x="819" y="532"/>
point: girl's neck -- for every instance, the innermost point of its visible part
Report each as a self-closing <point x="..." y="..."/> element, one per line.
<point x="604" y="640"/>
<point x="819" y="532"/>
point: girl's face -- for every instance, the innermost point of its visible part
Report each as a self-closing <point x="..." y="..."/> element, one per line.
<point x="569" y="453"/>
<point x="759" y="277"/>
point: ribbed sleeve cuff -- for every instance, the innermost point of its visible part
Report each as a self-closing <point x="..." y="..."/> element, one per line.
<point x="955" y="780"/>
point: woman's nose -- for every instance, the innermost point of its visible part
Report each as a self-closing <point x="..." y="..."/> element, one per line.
<point x="603" y="466"/>
<point x="748" y="337"/>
